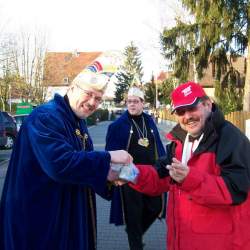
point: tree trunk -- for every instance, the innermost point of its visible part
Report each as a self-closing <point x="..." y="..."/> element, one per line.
<point x="246" y="103"/>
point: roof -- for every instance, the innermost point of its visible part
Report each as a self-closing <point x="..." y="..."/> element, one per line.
<point x="208" y="79"/>
<point x="164" y="75"/>
<point x="60" y="68"/>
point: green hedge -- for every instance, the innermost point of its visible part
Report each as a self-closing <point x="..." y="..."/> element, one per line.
<point x="113" y="116"/>
<point x="91" y="120"/>
<point x="98" y="115"/>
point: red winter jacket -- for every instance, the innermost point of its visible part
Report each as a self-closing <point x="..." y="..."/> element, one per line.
<point x="210" y="209"/>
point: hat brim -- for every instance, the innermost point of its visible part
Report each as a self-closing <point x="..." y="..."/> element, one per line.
<point x="186" y="105"/>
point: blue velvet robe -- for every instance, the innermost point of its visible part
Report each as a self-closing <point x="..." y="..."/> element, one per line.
<point x="48" y="200"/>
<point x="117" y="138"/>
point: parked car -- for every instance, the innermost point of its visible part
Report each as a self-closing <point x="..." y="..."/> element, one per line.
<point x="9" y="123"/>
<point x="3" y="137"/>
<point x="118" y="111"/>
<point x="19" y="120"/>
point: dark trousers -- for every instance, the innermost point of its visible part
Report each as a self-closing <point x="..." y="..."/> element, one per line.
<point x="140" y="212"/>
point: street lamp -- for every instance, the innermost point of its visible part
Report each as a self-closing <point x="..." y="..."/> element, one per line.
<point x="157" y="103"/>
<point x="156" y="94"/>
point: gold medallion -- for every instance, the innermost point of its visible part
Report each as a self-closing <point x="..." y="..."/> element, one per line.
<point x="140" y="142"/>
<point x="146" y="142"/>
<point x="143" y="142"/>
<point x="78" y="133"/>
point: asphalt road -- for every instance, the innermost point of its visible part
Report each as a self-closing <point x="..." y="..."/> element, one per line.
<point x="4" y="159"/>
<point x="111" y="237"/>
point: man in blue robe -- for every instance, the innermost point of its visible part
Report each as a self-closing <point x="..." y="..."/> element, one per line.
<point x="136" y="132"/>
<point x="48" y="199"/>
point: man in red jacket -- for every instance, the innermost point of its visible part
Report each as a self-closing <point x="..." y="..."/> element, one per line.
<point x="207" y="174"/>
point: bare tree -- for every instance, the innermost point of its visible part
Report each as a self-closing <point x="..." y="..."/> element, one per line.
<point x="32" y="51"/>
<point x="7" y="69"/>
<point x="21" y="67"/>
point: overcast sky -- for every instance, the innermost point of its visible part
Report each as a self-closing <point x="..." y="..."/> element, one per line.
<point x="95" y="25"/>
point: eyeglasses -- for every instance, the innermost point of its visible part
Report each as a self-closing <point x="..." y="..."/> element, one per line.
<point x="89" y="95"/>
<point x="133" y="101"/>
<point x="183" y="110"/>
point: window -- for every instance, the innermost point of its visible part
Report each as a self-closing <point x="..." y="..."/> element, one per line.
<point x="65" y="80"/>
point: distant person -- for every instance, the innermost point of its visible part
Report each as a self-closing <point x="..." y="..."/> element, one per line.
<point x="156" y="116"/>
<point x="135" y="132"/>
<point x="48" y="199"/>
<point x="207" y="174"/>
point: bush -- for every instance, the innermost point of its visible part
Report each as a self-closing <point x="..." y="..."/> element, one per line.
<point x="102" y="114"/>
<point x="229" y="98"/>
<point x="113" y="116"/>
<point x="91" y="120"/>
<point x="98" y="115"/>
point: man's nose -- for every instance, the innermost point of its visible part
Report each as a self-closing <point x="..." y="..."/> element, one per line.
<point x="187" y="114"/>
<point x="92" y="101"/>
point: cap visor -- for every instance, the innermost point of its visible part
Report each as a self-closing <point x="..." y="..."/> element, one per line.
<point x="186" y="105"/>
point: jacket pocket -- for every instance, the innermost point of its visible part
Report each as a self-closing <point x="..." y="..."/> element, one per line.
<point x="213" y="221"/>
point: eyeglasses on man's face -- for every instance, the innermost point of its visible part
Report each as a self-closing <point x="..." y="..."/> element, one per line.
<point x="132" y="101"/>
<point x="89" y="94"/>
<point x="183" y="110"/>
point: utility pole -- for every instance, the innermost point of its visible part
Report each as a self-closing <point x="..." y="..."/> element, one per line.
<point x="10" y="97"/>
<point x="156" y="94"/>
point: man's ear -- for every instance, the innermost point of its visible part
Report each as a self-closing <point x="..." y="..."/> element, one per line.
<point x="208" y="104"/>
<point x="72" y="87"/>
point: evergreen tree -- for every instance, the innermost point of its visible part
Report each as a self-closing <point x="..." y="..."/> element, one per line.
<point x="166" y="88"/>
<point x="220" y="32"/>
<point x="150" y="91"/>
<point x="130" y="73"/>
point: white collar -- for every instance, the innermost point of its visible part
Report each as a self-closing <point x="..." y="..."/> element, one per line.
<point x="189" y="148"/>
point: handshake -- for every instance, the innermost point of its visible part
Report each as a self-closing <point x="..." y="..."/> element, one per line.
<point x="123" y="173"/>
<point x="122" y="169"/>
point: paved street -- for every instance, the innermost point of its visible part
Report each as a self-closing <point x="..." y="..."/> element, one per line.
<point x="4" y="157"/>
<point x="111" y="237"/>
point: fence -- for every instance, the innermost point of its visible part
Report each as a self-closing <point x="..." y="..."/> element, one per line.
<point x="165" y="114"/>
<point x="238" y="118"/>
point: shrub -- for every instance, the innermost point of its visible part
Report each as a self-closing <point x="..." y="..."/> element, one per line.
<point x="98" y="115"/>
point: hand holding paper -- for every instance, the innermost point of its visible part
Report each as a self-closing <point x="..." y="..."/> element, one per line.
<point x="120" y="156"/>
<point x="126" y="173"/>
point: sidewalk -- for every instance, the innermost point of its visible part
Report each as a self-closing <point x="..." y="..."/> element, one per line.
<point x="111" y="237"/>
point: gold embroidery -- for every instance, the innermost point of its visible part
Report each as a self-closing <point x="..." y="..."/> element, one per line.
<point x="83" y="137"/>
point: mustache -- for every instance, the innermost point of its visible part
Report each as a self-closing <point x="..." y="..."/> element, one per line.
<point x="90" y="107"/>
<point x="191" y="119"/>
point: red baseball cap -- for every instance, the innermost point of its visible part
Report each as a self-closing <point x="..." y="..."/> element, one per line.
<point x="186" y="94"/>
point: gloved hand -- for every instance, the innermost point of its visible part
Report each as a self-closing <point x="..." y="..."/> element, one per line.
<point x="162" y="162"/>
<point x="161" y="165"/>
